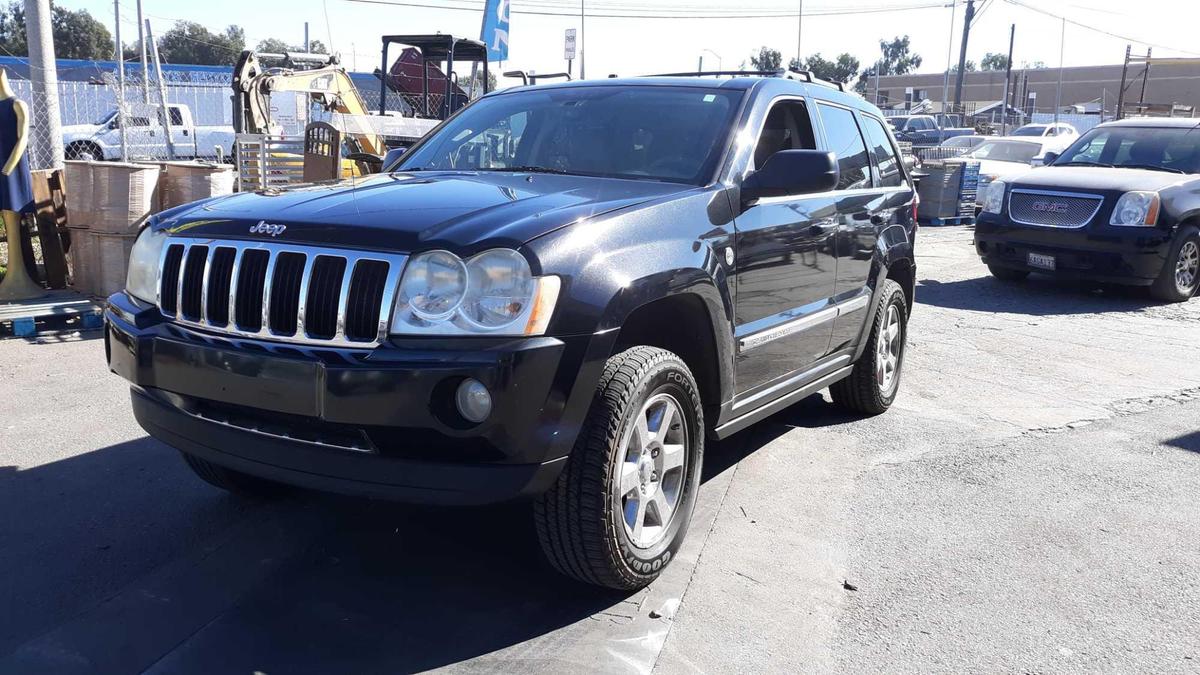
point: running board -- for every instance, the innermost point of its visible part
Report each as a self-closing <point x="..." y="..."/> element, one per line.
<point x="735" y="425"/>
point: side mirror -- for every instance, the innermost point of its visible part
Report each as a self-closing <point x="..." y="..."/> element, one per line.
<point x="392" y="158"/>
<point x="1048" y="158"/>
<point x="792" y="172"/>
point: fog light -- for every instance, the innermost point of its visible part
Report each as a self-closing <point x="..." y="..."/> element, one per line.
<point x="473" y="400"/>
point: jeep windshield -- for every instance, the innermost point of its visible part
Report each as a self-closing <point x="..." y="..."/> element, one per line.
<point x="1171" y="149"/>
<point x="673" y="134"/>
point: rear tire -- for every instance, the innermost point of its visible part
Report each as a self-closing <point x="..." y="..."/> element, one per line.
<point x="874" y="382"/>
<point x="238" y="483"/>
<point x="1008" y="275"/>
<point x="1180" y="275"/>
<point x="622" y="505"/>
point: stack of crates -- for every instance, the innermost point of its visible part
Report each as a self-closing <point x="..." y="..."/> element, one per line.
<point x="949" y="192"/>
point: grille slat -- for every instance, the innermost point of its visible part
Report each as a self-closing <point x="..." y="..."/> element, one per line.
<point x="168" y="292"/>
<point x="191" y="286"/>
<point x="277" y="291"/>
<point x="1053" y="209"/>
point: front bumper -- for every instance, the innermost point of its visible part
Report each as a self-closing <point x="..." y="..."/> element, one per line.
<point x="1131" y="256"/>
<point x="378" y="423"/>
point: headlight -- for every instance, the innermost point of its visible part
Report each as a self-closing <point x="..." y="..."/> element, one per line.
<point x="492" y="293"/>
<point x="1136" y="209"/>
<point x="142" y="278"/>
<point x="433" y="286"/>
<point x="993" y="199"/>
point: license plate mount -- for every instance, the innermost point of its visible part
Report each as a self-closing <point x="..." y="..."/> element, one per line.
<point x="1041" y="261"/>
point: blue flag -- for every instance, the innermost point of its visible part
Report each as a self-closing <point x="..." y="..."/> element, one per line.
<point x="495" y="29"/>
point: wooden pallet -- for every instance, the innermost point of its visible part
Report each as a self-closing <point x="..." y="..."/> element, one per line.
<point x="57" y="311"/>
<point x="956" y="220"/>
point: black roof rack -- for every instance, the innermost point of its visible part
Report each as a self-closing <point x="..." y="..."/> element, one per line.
<point x="799" y="75"/>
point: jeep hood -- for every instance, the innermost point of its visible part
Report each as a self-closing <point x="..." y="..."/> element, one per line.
<point x="1097" y="179"/>
<point x="465" y="211"/>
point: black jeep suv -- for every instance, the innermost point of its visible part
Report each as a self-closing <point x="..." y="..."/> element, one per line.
<point x="1121" y="205"/>
<point x="558" y="294"/>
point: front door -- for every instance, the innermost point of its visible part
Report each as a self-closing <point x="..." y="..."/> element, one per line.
<point x="785" y="268"/>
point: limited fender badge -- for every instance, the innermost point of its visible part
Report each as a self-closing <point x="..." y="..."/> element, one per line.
<point x="263" y="227"/>
<point x="729" y="256"/>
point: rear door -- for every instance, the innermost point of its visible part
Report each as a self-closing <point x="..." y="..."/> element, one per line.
<point x="182" y="131"/>
<point x="785" y="267"/>
<point x="883" y="202"/>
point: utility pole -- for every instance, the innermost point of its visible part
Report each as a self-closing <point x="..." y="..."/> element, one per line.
<point x="48" y="150"/>
<point x="1145" y="75"/>
<point x="162" y="99"/>
<point x="1012" y="36"/>
<point x="145" y="64"/>
<point x="962" y="54"/>
<point x="121" y="119"/>
<point x="582" y="41"/>
<point x="307" y="44"/>
<point x="1062" y="49"/>
<point x="946" y="79"/>
<point x="800" y="36"/>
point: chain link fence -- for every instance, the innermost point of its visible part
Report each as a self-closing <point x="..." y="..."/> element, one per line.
<point x="199" y="118"/>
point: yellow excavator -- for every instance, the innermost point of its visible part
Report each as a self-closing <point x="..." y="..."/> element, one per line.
<point x="324" y="81"/>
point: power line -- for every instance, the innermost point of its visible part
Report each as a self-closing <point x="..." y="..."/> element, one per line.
<point x="680" y="14"/>
<point x="1085" y="26"/>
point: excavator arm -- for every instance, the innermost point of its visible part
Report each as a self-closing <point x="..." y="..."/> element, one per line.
<point x="327" y="84"/>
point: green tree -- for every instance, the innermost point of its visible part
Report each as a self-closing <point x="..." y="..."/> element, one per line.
<point x="969" y="66"/>
<point x="767" y="59"/>
<point x="842" y="69"/>
<point x="994" y="61"/>
<point x="77" y="34"/>
<point x="897" y="59"/>
<point x="277" y="46"/>
<point x="190" y="42"/>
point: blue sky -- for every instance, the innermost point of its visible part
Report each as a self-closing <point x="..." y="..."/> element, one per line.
<point x="637" y="46"/>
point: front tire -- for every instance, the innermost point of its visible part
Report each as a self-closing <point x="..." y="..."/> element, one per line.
<point x="874" y="382"/>
<point x="622" y="505"/>
<point x="1180" y="275"/>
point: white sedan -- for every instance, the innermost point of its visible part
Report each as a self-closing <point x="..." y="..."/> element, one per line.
<point x="1060" y="135"/>
<point x="1004" y="156"/>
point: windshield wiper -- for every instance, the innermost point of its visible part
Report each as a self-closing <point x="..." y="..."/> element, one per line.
<point x="528" y="169"/>
<point x="1082" y="163"/>
<point x="1151" y="167"/>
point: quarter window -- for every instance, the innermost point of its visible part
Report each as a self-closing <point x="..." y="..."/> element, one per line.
<point x="884" y="153"/>
<point x="846" y="142"/>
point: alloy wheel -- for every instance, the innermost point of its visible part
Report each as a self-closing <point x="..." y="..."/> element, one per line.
<point x="1187" y="267"/>
<point x="650" y="476"/>
<point x="887" y="351"/>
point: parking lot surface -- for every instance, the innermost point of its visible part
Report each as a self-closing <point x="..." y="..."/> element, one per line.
<point x="1028" y="504"/>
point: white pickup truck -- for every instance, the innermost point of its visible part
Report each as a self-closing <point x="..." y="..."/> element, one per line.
<point x="147" y="136"/>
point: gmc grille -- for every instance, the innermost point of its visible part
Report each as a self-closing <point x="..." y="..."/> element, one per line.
<point x="301" y="294"/>
<point x="1053" y="209"/>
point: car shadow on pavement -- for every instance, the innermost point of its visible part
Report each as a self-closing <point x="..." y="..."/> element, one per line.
<point x="363" y="586"/>
<point x="1038" y="296"/>
<point x="1189" y="442"/>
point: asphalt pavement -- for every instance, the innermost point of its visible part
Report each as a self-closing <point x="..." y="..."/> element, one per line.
<point x="1029" y="504"/>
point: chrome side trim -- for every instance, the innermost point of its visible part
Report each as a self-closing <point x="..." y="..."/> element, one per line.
<point x="394" y="261"/>
<point x="790" y="382"/>
<point x="804" y="323"/>
<point x="1054" y="193"/>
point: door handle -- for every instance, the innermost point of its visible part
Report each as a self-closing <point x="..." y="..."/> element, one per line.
<point x="817" y="229"/>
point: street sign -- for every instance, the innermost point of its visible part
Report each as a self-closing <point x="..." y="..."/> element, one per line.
<point x="495" y="29"/>
<point x="569" y="45"/>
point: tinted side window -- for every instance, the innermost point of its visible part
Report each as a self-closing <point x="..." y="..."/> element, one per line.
<point x="176" y="117"/>
<point x="787" y="127"/>
<point x="846" y="142"/>
<point x="884" y="153"/>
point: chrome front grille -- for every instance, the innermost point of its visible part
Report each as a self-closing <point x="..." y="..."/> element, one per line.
<point x="1053" y="209"/>
<point x="300" y="294"/>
